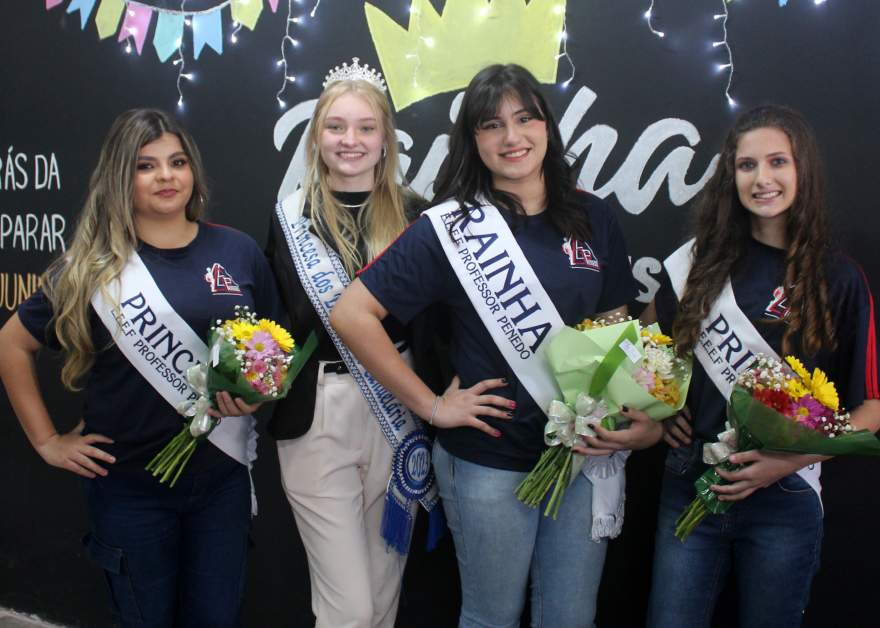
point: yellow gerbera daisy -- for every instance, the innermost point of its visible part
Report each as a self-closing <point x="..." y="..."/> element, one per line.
<point x="279" y="334"/>
<point x="795" y="389"/>
<point x="242" y="330"/>
<point x="798" y="367"/>
<point x="658" y="338"/>
<point x="823" y="390"/>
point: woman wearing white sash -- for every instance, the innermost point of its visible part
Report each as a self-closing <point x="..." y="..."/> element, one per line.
<point x="762" y="263"/>
<point x="171" y="556"/>
<point x="335" y="460"/>
<point x="505" y="151"/>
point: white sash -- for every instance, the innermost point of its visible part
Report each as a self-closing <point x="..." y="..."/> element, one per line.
<point x="161" y="346"/>
<point x="324" y="278"/>
<point x="728" y="340"/>
<point x="520" y="317"/>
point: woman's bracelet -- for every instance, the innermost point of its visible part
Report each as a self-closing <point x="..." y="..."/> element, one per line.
<point x="437" y="399"/>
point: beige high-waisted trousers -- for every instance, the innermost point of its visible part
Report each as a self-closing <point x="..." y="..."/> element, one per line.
<point x="335" y="477"/>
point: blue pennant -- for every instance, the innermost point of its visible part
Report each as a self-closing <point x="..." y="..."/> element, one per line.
<point x="169" y="31"/>
<point x="207" y="30"/>
<point x="85" y="10"/>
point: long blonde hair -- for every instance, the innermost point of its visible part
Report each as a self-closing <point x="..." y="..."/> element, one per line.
<point x="384" y="216"/>
<point x="105" y="235"/>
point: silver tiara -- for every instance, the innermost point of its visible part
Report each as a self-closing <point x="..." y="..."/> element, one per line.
<point x="355" y="72"/>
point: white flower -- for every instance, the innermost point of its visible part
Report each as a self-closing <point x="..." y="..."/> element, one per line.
<point x="659" y="361"/>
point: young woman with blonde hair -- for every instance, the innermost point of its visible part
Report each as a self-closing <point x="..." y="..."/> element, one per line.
<point x="338" y="431"/>
<point x="129" y="304"/>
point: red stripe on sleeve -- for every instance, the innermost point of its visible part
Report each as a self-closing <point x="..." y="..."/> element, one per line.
<point x="872" y="391"/>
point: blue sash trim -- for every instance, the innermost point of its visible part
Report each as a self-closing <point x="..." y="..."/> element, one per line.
<point x="411" y="475"/>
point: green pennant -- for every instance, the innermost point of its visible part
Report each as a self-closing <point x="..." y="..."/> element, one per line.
<point x="247" y="12"/>
<point x="107" y="19"/>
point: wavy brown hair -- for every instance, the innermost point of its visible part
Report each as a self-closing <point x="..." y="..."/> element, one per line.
<point x="722" y="229"/>
<point x="105" y="235"/>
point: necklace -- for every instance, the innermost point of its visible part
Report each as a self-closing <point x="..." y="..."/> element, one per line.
<point x="358" y="206"/>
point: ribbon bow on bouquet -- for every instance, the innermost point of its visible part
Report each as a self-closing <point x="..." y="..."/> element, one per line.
<point x="253" y="359"/>
<point x="565" y="427"/>
<point x="202" y="423"/>
<point x="170" y="462"/>
<point x="558" y="465"/>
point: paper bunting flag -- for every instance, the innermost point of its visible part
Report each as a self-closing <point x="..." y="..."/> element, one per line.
<point x="273" y="4"/>
<point x="51" y="4"/>
<point x="85" y="10"/>
<point x="169" y="32"/>
<point x="782" y="3"/>
<point x="246" y="12"/>
<point x="108" y="17"/>
<point x="136" y="24"/>
<point x="207" y="30"/>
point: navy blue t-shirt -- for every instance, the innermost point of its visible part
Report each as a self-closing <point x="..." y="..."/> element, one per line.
<point x="581" y="278"/>
<point x="203" y="281"/>
<point x="757" y="287"/>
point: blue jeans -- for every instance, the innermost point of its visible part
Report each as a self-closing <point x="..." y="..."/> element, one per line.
<point x="172" y="556"/>
<point x="500" y="542"/>
<point x="771" y="541"/>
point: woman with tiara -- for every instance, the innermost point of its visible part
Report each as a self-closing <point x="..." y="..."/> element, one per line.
<point x="338" y="432"/>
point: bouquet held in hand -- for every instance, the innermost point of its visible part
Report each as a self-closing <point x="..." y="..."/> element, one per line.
<point x="779" y="407"/>
<point x="253" y="359"/>
<point x="600" y="366"/>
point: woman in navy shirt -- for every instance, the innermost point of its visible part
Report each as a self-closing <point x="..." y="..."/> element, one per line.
<point x="762" y="222"/>
<point x="170" y="555"/>
<point x="505" y="148"/>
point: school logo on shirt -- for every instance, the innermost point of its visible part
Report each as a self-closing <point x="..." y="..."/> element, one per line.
<point x="221" y="281"/>
<point x="778" y="306"/>
<point x="580" y="255"/>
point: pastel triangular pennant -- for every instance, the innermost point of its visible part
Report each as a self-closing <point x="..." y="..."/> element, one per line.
<point x="273" y="4"/>
<point x="207" y="30"/>
<point x="136" y="24"/>
<point x="108" y="16"/>
<point x="51" y="4"/>
<point x="169" y="32"/>
<point x="85" y="10"/>
<point x="247" y="12"/>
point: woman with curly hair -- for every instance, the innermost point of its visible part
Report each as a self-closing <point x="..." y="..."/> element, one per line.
<point x="760" y="267"/>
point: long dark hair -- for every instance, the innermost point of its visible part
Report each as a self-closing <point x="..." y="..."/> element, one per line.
<point x="722" y="230"/>
<point x="465" y="178"/>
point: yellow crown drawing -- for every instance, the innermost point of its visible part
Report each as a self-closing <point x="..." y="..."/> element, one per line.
<point x="437" y="54"/>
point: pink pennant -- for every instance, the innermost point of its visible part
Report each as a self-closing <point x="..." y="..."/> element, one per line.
<point x="51" y="4"/>
<point x="273" y="4"/>
<point x="136" y="24"/>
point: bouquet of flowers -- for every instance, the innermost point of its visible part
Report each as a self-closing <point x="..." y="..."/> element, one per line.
<point x="600" y="366"/>
<point x="249" y="358"/>
<point x="780" y="408"/>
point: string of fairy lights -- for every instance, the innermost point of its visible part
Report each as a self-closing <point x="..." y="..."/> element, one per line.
<point x="563" y="38"/>
<point x="723" y="43"/>
<point x="289" y="41"/>
<point x="297" y="15"/>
